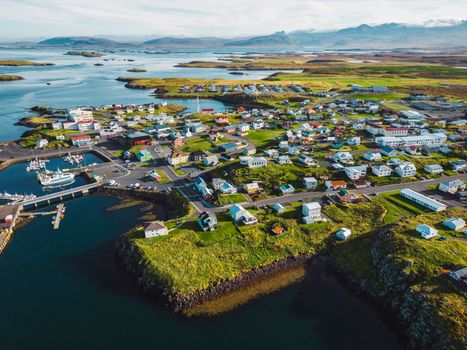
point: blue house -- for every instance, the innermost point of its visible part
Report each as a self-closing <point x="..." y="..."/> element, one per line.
<point x="228" y="147"/>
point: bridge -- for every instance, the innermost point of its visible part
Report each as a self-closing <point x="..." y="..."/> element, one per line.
<point x="48" y="198"/>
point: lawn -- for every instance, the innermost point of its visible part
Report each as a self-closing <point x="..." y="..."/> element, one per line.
<point x="398" y="207"/>
<point x="263" y="139"/>
<point x="198" y="144"/>
<point x="164" y="177"/>
<point x="225" y="199"/>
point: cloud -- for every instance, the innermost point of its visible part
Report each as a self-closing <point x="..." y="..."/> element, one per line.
<point x="29" y="18"/>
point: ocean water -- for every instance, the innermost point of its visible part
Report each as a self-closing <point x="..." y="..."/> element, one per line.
<point x="65" y="290"/>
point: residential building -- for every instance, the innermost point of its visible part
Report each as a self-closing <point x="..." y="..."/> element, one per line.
<point x="345" y="196"/>
<point x="354" y="141"/>
<point x="454" y="223"/>
<point x="177" y="158"/>
<point x="282" y="160"/>
<point x="307" y="160"/>
<point x="81" y="140"/>
<point x="381" y="170"/>
<point x="197" y="156"/>
<point x="426" y="231"/>
<point x="155" y="229"/>
<point x="207" y="221"/>
<point x="311" y="212"/>
<point x="200" y="183"/>
<point x="227" y="188"/>
<point x="252" y="188"/>
<point x="228" y="147"/>
<point x="310" y="183"/>
<point x="372" y="156"/>
<point x="257" y="162"/>
<point x="355" y="172"/>
<point x="343" y="157"/>
<point x="433" y="169"/>
<point x="138" y="138"/>
<point x="271" y="153"/>
<point x="42" y="143"/>
<point x="422" y="200"/>
<point x="286" y="189"/>
<point x="388" y="151"/>
<point x="452" y="186"/>
<point x="278" y="208"/>
<point x="211" y="160"/>
<point x="343" y="234"/>
<point x="459" y="165"/>
<point x="417" y="140"/>
<point x="406" y="170"/>
<point x="178" y="142"/>
<point x="459" y="275"/>
<point x="241" y="215"/>
<point x="144" y="156"/>
<point x="335" y="185"/>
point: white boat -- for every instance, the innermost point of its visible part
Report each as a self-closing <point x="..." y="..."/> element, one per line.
<point x="49" y="178"/>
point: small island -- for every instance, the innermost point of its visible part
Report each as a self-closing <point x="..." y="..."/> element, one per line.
<point x="85" y="53"/>
<point x="10" y="77"/>
<point x="136" y="70"/>
<point x="20" y="63"/>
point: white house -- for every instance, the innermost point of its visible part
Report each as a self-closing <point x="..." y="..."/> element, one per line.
<point x="42" y="143"/>
<point x="416" y="140"/>
<point x="454" y="223"/>
<point x="271" y="153"/>
<point x="452" y="186"/>
<point x="422" y="200"/>
<point x="307" y="160"/>
<point x="283" y="160"/>
<point x="343" y="234"/>
<point x="178" y="158"/>
<point x="310" y="183"/>
<point x="227" y="188"/>
<point x="355" y="172"/>
<point x="155" y="229"/>
<point x="406" y="170"/>
<point x="211" y="160"/>
<point x="433" y="169"/>
<point x="426" y="231"/>
<point x="240" y="214"/>
<point x="312" y="209"/>
<point x="381" y="170"/>
<point x="354" y="141"/>
<point x="257" y="162"/>
<point x="278" y="208"/>
<point x="372" y="156"/>
<point x="343" y="157"/>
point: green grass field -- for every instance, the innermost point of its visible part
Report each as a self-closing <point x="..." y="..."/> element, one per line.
<point x="264" y="138"/>
<point x="398" y="207"/>
<point x="198" y="144"/>
<point x="225" y="199"/>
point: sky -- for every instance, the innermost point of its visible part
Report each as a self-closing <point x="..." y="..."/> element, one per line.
<point x="29" y="19"/>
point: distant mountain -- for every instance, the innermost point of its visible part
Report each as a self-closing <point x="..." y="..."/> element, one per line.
<point x="364" y="36"/>
<point x="390" y="35"/>
<point x="79" y="41"/>
<point x="171" y="42"/>
<point x="276" y="40"/>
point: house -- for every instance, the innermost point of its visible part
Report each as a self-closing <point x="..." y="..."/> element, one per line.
<point x="416" y="140"/>
<point x="207" y="221"/>
<point x="286" y="189"/>
<point x="422" y="200"/>
<point x="80" y="140"/>
<point x="372" y="156"/>
<point x="197" y="156"/>
<point x="459" y="165"/>
<point x="257" y="162"/>
<point x="426" y="231"/>
<point x="452" y="186"/>
<point x="388" y="151"/>
<point x="459" y="275"/>
<point x="406" y="170"/>
<point x="345" y="196"/>
<point x="154" y="176"/>
<point x="230" y="129"/>
<point x="354" y="141"/>
<point x="277" y="230"/>
<point x="343" y="234"/>
<point x="200" y="183"/>
<point x="249" y="151"/>
<point x="227" y="188"/>
<point x="343" y="157"/>
<point x="177" y="158"/>
<point x="355" y="172"/>
<point x="307" y="160"/>
<point x="211" y="160"/>
<point x="138" y="138"/>
<point x="42" y="143"/>
<point x="381" y="170"/>
<point x="335" y="185"/>
<point x="271" y="153"/>
<point x="311" y="210"/>
<point x="310" y="183"/>
<point x="222" y="120"/>
<point x="454" y="223"/>
<point x="241" y="215"/>
<point x="178" y="142"/>
<point x="278" y="208"/>
<point x="413" y="150"/>
<point x="433" y="169"/>
<point x="144" y="156"/>
<point x="282" y="160"/>
<point x="60" y="137"/>
<point x="207" y="194"/>
<point x="252" y="188"/>
<point x="217" y="182"/>
<point x="228" y="147"/>
<point x="155" y="229"/>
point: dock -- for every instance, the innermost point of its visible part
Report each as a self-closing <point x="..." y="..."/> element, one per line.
<point x="58" y="216"/>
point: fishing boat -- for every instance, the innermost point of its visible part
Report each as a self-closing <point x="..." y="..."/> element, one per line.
<point x="50" y="178"/>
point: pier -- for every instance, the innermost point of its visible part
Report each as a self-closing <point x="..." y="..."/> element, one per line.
<point x="58" y="216"/>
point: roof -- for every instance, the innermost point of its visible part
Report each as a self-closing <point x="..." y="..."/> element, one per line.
<point x="277" y="230"/>
<point x="422" y="198"/>
<point x="312" y="205"/>
<point x="80" y="137"/>
<point x="155" y="225"/>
